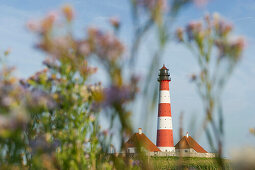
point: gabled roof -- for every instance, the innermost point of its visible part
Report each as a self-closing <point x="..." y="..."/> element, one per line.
<point x="141" y="140"/>
<point x="189" y="142"/>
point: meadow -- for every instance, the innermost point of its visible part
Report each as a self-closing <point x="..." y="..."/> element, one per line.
<point x="182" y="163"/>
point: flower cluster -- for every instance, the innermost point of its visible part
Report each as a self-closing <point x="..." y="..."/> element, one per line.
<point x="17" y="102"/>
<point x="105" y="45"/>
<point x="205" y="39"/>
<point x="216" y="32"/>
<point x="114" y="94"/>
<point x="155" y="8"/>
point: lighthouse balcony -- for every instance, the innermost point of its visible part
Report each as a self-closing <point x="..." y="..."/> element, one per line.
<point x="161" y="78"/>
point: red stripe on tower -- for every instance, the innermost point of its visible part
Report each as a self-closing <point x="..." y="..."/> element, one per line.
<point x="165" y="141"/>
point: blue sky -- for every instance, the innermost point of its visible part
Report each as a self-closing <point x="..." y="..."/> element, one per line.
<point x="239" y="95"/>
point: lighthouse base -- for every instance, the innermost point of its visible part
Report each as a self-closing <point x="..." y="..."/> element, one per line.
<point x="167" y="149"/>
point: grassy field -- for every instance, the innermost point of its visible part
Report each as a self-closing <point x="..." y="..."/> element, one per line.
<point x="189" y="163"/>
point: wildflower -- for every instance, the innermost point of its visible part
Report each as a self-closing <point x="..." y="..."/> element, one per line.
<point x="40" y="144"/>
<point x="92" y="118"/>
<point x="239" y="43"/>
<point x="193" y="77"/>
<point x="14" y="121"/>
<point x="193" y="29"/>
<point x="87" y="140"/>
<point x="40" y="98"/>
<point x="222" y="28"/>
<point x="87" y="156"/>
<point x="115" y="22"/>
<point x="48" y="137"/>
<point x="84" y="48"/>
<point x="216" y="20"/>
<point x="50" y="63"/>
<point x="108" y="47"/>
<point x="47" y="23"/>
<point x="237" y="47"/>
<point x="7" y="52"/>
<point x="116" y="94"/>
<point x="68" y="12"/>
<point x="91" y="70"/>
<point x="33" y="26"/>
<point x="252" y="131"/>
<point x="24" y="83"/>
<point x="105" y="132"/>
<point x="179" y="34"/>
<point x="6" y="101"/>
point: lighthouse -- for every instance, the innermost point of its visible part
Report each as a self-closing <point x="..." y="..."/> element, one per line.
<point x="165" y="140"/>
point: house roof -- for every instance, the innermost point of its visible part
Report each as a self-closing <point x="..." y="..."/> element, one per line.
<point x="188" y="142"/>
<point x="141" y="140"/>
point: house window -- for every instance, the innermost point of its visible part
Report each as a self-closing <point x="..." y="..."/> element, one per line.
<point x="186" y="150"/>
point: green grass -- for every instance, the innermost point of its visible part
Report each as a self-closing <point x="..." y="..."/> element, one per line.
<point x="190" y="163"/>
<point x="170" y="162"/>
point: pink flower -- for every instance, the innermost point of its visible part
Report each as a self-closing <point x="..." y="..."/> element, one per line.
<point x="84" y="48"/>
<point x="33" y="26"/>
<point x="239" y="43"/>
<point x="47" y="23"/>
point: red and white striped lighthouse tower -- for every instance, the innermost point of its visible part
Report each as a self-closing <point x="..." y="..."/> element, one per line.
<point x="165" y="140"/>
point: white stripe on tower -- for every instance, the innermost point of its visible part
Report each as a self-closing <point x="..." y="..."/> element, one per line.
<point x="164" y="96"/>
<point x="165" y="122"/>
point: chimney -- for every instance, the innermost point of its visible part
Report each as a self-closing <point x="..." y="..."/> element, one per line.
<point x="187" y="134"/>
<point x="140" y="131"/>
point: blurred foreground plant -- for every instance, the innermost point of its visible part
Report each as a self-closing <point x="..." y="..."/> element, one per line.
<point x="217" y="52"/>
<point x="73" y="125"/>
<point x="17" y="105"/>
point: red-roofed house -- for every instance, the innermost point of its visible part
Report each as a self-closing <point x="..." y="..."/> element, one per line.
<point x="189" y="145"/>
<point x="140" y="140"/>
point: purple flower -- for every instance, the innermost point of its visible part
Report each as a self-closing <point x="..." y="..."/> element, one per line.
<point x="115" y="95"/>
<point x="40" y="144"/>
<point x="41" y="98"/>
<point x="193" y="29"/>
